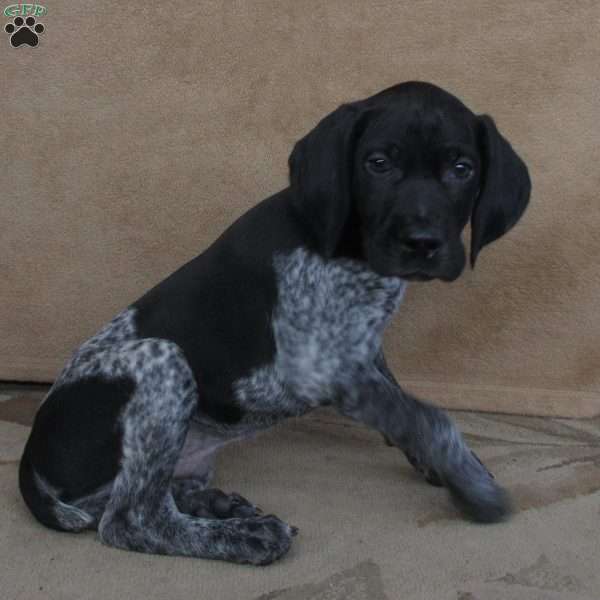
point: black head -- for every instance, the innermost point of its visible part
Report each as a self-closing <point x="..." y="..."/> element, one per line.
<point x="394" y="179"/>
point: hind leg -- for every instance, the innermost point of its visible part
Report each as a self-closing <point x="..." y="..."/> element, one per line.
<point x="142" y="512"/>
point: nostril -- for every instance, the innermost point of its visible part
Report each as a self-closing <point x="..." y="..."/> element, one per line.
<point x="423" y="244"/>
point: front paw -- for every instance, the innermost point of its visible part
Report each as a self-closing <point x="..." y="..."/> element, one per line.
<point x="471" y="486"/>
<point x="481" y="500"/>
<point x="430" y="475"/>
<point x="476" y="493"/>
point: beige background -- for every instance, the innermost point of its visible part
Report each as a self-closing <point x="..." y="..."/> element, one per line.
<point x="134" y="133"/>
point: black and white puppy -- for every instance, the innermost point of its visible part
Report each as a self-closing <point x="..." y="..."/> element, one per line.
<point x="283" y="313"/>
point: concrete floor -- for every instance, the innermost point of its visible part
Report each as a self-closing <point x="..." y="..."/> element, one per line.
<point x="369" y="527"/>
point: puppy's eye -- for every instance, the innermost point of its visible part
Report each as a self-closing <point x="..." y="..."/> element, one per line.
<point x="462" y="169"/>
<point x="379" y="163"/>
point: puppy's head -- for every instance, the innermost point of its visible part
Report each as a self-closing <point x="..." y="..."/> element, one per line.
<point x="394" y="179"/>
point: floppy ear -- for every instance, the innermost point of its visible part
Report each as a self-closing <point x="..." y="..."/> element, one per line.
<point x="321" y="175"/>
<point x="504" y="191"/>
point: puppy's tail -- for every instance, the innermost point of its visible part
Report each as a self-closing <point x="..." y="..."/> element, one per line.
<point x="45" y="505"/>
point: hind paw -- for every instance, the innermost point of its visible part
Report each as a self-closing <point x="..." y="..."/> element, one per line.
<point x="215" y="504"/>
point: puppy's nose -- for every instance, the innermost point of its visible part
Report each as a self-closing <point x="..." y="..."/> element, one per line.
<point x="422" y="245"/>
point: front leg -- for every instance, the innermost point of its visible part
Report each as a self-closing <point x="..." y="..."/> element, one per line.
<point x="430" y="440"/>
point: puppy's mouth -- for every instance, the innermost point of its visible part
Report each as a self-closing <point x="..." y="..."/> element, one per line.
<point x="417" y="276"/>
<point x="446" y="265"/>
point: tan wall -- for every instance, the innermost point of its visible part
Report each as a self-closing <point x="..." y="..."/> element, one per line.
<point x="134" y="133"/>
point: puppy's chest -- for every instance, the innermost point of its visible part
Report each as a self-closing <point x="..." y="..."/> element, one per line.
<point x="327" y="325"/>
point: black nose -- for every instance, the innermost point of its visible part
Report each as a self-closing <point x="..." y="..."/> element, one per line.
<point x="422" y="245"/>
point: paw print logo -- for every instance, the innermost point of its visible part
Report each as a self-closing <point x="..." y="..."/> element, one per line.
<point x="24" y="31"/>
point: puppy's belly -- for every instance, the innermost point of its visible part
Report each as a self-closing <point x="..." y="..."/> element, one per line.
<point x="199" y="451"/>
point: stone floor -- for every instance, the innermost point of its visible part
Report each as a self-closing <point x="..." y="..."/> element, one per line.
<point x="369" y="527"/>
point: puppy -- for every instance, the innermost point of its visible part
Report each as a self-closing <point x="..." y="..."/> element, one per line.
<point x="283" y="313"/>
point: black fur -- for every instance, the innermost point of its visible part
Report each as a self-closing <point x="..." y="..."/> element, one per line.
<point x="504" y="191"/>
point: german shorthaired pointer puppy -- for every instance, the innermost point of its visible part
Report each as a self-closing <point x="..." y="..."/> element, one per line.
<point x="283" y="313"/>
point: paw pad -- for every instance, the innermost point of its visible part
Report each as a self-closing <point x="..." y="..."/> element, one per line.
<point x="24" y="31"/>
